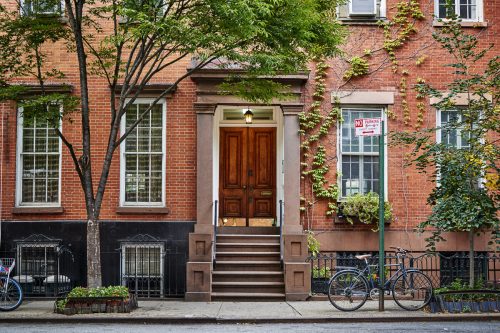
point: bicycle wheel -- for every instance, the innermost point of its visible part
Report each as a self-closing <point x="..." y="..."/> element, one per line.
<point x="412" y="291"/>
<point x="348" y="291"/>
<point x="11" y="295"/>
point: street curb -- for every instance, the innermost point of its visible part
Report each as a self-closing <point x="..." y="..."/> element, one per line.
<point x="213" y="320"/>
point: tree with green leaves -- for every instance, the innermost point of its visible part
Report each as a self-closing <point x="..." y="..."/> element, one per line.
<point x="464" y="159"/>
<point x="129" y="43"/>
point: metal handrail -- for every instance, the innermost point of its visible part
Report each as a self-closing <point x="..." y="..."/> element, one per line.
<point x="281" y="231"/>
<point x="216" y="204"/>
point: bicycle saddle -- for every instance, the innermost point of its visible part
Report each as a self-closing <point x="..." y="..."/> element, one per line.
<point x="363" y="256"/>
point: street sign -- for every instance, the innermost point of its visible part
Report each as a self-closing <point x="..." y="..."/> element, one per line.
<point x="368" y="126"/>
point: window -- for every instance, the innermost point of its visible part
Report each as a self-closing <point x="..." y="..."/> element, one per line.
<point x="364" y="10"/>
<point x="467" y="10"/>
<point x="47" y="7"/>
<point x="362" y="7"/>
<point x="260" y="115"/>
<point x="143" y="156"/>
<point x="39" y="162"/>
<point x="142" y="268"/>
<point x="452" y="131"/>
<point x="455" y="265"/>
<point x="359" y="156"/>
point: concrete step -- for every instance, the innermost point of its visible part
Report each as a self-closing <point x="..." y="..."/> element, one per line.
<point x="228" y="296"/>
<point x="246" y="276"/>
<point x="249" y="230"/>
<point x="248" y="287"/>
<point x="234" y="238"/>
<point x="247" y="256"/>
<point x="257" y="265"/>
<point x="248" y="247"/>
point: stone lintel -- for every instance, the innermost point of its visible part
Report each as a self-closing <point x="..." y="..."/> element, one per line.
<point x="363" y="97"/>
<point x="204" y="108"/>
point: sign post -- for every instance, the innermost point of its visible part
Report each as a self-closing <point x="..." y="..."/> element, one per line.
<point x="375" y="127"/>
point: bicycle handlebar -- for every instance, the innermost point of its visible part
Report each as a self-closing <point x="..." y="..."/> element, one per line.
<point x="399" y="249"/>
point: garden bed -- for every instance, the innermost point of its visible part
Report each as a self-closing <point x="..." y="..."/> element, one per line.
<point x="97" y="300"/>
<point x="466" y="301"/>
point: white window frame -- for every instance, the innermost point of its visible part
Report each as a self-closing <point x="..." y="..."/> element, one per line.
<point x="368" y="108"/>
<point x="124" y="203"/>
<point x="374" y="13"/>
<point x="19" y="166"/>
<point x="479" y="11"/>
<point x="24" y="12"/>
<point x="439" y="125"/>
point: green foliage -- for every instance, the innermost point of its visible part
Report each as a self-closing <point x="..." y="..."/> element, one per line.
<point x="458" y="285"/>
<point x="61" y="304"/>
<point x="365" y="207"/>
<point x="111" y="291"/>
<point x="359" y="67"/>
<point x="312" y="244"/>
<point x="401" y="27"/>
<point x="321" y="273"/>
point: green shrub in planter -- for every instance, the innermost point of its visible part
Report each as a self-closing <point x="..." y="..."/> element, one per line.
<point x="364" y="207"/>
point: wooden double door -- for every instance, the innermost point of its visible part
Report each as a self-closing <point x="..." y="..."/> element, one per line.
<point x="247" y="176"/>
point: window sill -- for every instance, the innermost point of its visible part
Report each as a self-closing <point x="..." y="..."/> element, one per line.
<point x="142" y="210"/>
<point x="463" y="24"/>
<point x="37" y="210"/>
<point x="363" y="21"/>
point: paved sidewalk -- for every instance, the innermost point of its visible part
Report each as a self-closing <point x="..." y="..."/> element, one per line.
<point x="166" y="311"/>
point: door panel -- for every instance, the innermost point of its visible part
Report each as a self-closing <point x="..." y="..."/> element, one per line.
<point x="262" y="172"/>
<point x="247" y="186"/>
<point x="233" y="179"/>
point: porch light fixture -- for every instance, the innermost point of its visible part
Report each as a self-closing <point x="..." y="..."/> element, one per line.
<point x="248" y="116"/>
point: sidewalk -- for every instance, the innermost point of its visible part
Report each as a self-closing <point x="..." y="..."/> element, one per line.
<point x="166" y="311"/>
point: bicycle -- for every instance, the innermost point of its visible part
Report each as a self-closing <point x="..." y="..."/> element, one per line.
<point x="349" y="288"/>
<point x="11" y="293"/>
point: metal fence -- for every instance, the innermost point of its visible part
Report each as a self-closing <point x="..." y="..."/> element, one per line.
<point x="442" y="268"/>
<point x="44" y="269"/>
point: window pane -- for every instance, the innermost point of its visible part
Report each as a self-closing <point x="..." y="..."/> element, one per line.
<point x="363" y="6"/>
<point x="143" y="171"/>
<point x="40" y="162"/>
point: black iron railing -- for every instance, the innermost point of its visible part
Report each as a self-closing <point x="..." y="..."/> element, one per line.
<point x="442" y="268"/>
<point x="214" y="241"/>
<point x="281" y="230"/>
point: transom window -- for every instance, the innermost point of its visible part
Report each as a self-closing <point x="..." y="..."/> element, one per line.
<point x="143" y="156"/>
<point x="468" y="10"/>
<point x="39" y="158"/>
<point x="359" y="157"/>
<point x="237" y="115"/>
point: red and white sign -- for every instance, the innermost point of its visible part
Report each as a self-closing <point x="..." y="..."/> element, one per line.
<point x="368" y="126"/>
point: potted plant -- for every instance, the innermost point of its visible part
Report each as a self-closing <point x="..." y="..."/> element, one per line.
<point x="364" y="208"/>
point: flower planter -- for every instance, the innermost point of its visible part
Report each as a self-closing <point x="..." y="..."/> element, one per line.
<point x="87" y="305"/>
<point x="439" y="304"/>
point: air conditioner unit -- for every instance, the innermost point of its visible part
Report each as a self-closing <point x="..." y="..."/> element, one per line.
<point x="362" y="7"/>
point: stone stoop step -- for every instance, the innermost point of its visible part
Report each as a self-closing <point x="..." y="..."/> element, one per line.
<point x="248" y="268"/>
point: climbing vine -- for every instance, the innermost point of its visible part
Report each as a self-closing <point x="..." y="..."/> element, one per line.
<point x="314" y="125"/>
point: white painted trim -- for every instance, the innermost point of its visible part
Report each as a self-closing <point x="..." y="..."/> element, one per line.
<point x="123" y="203"/>
<point x="339" y="147"/>
<point x="479" y="11"/>
<point x="19" y="166"/>
<point x="277" y="122"/>
<point x="369" y="98"/>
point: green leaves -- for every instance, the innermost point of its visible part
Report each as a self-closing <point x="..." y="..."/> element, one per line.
<point x="365" y="207"/>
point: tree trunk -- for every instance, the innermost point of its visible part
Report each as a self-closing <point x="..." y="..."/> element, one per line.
<point x="94" y="276"/>
<point x="471" y="258"/>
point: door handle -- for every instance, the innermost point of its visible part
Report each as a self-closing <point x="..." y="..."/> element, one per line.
<point x="244" y="187"/>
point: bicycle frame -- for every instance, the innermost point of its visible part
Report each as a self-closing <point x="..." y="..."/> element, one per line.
<point x="368" y="274"/>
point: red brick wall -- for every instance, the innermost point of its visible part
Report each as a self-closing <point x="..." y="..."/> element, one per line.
<point x="407" y="189"/>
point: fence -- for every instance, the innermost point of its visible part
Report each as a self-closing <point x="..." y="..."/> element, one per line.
<point x="43" y="269"/>
<point x="442" y="268"/>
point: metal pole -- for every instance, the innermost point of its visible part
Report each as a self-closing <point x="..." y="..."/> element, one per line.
<point x="381" y="260"/>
